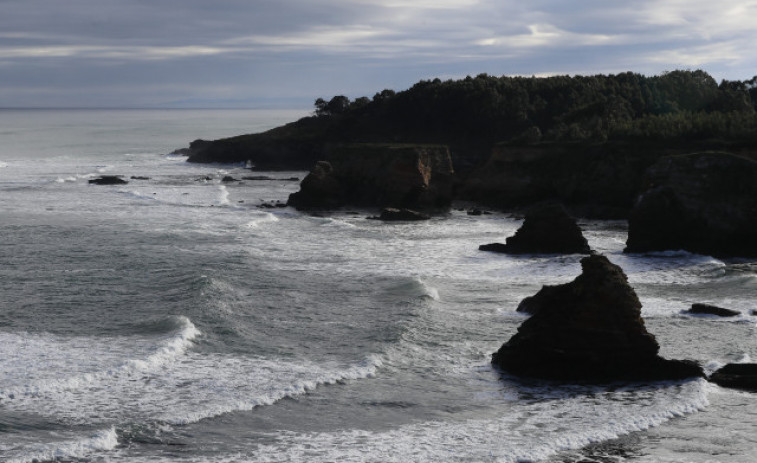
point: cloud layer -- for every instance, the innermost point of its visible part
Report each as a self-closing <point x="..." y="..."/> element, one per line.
<point x="288" y="52"/>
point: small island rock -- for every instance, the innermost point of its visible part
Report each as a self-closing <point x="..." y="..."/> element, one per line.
<point x="108" y="180"/>
<point x="589" y="330"/>
<point x="390" y="214"/>
<point x="737" y="376"/>
<point x="547" y="229"/>
<point x="707" y="309"/>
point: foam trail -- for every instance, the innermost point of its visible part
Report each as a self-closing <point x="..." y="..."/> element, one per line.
<point x="265" y="217"/>
<point x="294" y="380"/>
<point x="103" y="440"/>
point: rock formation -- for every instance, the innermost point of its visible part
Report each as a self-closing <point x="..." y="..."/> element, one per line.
<point x="108" y="180"/>
<point x="598" y="181"/>
<point x="547" y="229"/>
<point x="737" y="376"/>
<point x="401" y="176"/>
<point x="589" y="330"/>
<point x="704" y="203"/>
<point x="390" y="214"/>
<point x="707" y="309"/>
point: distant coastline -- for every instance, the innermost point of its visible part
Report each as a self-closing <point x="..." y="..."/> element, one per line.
<point x="584" y="140"/>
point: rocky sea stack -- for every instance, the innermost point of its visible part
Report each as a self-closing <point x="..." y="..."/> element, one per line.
<point x="547" y="229"/>
<point x="589" y="330"/>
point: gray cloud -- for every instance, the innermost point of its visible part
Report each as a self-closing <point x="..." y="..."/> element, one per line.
<point x="169" y="52"/>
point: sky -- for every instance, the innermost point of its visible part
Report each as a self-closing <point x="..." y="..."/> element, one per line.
<point x="287" y="53"/>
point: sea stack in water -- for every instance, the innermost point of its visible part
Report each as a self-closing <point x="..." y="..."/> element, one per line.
<point x="547" y="229"/>
<point x="737" y="376"/>
<point x="704" y="203"/>
<point x="589" y="330"/>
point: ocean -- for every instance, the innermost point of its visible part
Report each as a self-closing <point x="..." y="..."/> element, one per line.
<point x="171" y="319"/>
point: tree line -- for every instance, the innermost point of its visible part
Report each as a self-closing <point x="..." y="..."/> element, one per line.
<point x="681" y="104"/>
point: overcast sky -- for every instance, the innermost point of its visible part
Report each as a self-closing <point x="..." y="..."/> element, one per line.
<point x="286" y="53"/>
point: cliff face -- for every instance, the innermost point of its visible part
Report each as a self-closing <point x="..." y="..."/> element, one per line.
<point x="704" y="203"/>
<point x="294" y="146"/>
<point x="379" y="175"/>
<point x="595" y="180"/>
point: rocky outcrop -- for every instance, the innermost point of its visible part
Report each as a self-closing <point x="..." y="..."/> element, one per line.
<point x="416" y="177"/>
<point x="547" y="229"/>
<point x="589" y="330"/>
<point x="294" y="146"/>
<point x="736" y="376"/>
<point x="390" y="214"/>
<point x="108" y="180"/>
<point x="704" y="203"/>
<point x="595" y="180"/>
<point x="707" y="309"/>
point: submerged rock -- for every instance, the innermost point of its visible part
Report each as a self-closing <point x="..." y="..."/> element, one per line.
<point x="737" y="376"/>
<point x="547" y="229"/>
<point x="704" y="203"/>
<point x="589" y="330"/>
<point x="390" y="214"/>
<point x="108" y="180"/>
<point x="706" y="309"/>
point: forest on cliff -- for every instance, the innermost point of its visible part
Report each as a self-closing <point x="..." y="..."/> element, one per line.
<point x="474" y="114"/>
<point x="681" y="104"/>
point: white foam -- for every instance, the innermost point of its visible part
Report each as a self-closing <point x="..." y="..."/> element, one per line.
<point x="223" y="196"/>
<point x="529" y="431"/>
<point x="91" y="361"/>
<point x="262" y="218"/>
<point x="99" y="441"/>
<point x="170" y="385"/>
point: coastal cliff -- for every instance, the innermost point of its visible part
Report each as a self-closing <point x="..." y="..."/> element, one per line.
<point x="704" y="203"/>
<point x="585" y="141"/>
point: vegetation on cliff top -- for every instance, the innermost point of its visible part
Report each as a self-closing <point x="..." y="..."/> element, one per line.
<point x="473" y="114"/>
<point x="677" y="104"/>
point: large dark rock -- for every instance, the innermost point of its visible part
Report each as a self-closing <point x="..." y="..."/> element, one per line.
<point x="320" y="189"/>
<point x="547" y="229"/>
<point x="589" y="330"/>
<point x="416" y="177"/>
<point x="108" y="180"/>
<point x="704" y="203"/>
<point x="737" y="376"/>
<point x="707" y="309"/>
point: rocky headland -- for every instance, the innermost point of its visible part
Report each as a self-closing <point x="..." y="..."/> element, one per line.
<point x="589" y="330"/>
<point x="593" y="143"/>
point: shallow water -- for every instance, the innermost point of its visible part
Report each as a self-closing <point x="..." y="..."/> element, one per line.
<point x="171" y="319"/>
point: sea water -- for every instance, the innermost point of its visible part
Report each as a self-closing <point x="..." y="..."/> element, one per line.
<point x="172" y="319"/>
